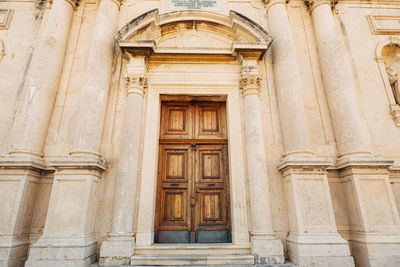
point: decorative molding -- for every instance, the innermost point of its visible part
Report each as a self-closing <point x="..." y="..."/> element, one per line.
<point x="42" y="4"/>
<point x="250" y="84"/>
<point x="5" y="18"/>
<point x="311" y="4"/>
<point x="384" y="24"/>
<point x="137" y="84"/>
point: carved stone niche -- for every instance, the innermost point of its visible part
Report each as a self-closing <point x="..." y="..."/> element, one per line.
<point x="388" y="58"/>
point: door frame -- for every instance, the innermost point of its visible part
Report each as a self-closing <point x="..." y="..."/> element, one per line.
<point x="148" y="178"/>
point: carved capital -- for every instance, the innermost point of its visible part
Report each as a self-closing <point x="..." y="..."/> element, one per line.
<point x="136" y="84"/>
<point x="250" y="84"/>
<point x="315" y="3"/>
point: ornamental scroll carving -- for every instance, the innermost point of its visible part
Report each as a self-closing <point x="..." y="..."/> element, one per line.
<point x="136" y="84"/>
<point x="250" y="84"/>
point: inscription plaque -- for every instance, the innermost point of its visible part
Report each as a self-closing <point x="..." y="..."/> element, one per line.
<point x="207" y="5"/>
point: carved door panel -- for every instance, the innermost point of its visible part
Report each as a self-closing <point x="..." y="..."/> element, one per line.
<point x="174" y="190"/>
<point x="193" y="185"/>
<point x="177" y="120"/>
<point x="210" y="122"/>
<point x="211" y="185"/>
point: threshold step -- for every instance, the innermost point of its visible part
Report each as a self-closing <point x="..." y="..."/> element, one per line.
<point x="220" y="265"/>
<point x="190" y="249"/>
<point x="190" y="260"/>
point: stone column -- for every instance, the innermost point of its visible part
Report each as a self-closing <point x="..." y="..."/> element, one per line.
<point x="264" y="244"/>
<point x="43" y="83"/>
<point x="119" y="247"/>
<point x="374" y="219"/>
<point x="351" y="134"/>
<point x="94" y="93"/>
<point x="21" y="171"/>
<point x="305" y="175"/>
<point x="68" y="238"/>
<point x="287" y="82"/>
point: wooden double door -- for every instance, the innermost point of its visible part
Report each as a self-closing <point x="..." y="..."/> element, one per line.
<point x="193" y="183"/>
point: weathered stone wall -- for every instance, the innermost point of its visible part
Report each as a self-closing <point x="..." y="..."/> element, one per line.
<point x="361" y="25"/>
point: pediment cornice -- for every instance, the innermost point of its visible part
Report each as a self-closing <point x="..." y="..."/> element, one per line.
<point x="196" y="32"/>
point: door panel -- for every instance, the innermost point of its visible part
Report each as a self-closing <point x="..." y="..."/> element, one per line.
<point x="210" y="120"/>
<point x="193" y="185"/>
<point x="212" y="185"/>
<point x="173" y="187"/>
<point x="177" y="120"/>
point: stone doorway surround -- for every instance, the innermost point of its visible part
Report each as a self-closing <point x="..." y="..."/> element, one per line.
<point x="232" y="47"/>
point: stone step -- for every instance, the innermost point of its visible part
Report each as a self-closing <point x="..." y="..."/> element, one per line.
<point x="223" y="265"/>
<point x="190" y="260"/>
<point x="190" y="249"/>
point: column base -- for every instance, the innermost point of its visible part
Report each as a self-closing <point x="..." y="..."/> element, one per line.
<point x="375" y="250"/>
<point x="62" y="252"/>
<point x="266" y="249"/>
<point x="375" y="223"/>
<point x="13" y="251"/>
<point x="117" y="250"/>
<point x="319" y="250"/>
<point x="20" y="179"/>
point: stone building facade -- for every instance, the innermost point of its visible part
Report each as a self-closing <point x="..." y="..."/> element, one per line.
<point x="206" y="132"/>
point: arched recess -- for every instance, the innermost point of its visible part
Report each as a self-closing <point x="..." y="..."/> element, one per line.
<point x="197" y="32"/>
<point x="381" y="58"/>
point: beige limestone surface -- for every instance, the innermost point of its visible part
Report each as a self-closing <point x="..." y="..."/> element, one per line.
<point x="324" y="90"/>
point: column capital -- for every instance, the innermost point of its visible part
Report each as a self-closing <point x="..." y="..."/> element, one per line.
<point x="250" y="84"/>
<point x="314" y="3"/>
<point x="136" y="84"/>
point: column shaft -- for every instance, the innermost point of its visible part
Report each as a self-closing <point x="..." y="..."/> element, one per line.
<point x="94" y="94"/>
<point x="257" y="169"/>
<point x="265" y="246"/>
<point x="350" y="132"/>
<point x="287" y="82"/>
<point x="125" y="195"/>
<point x="43" y="83"/>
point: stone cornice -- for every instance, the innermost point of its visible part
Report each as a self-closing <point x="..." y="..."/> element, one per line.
<point x="250" y="84"/>
<point x="136" y="84"/>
